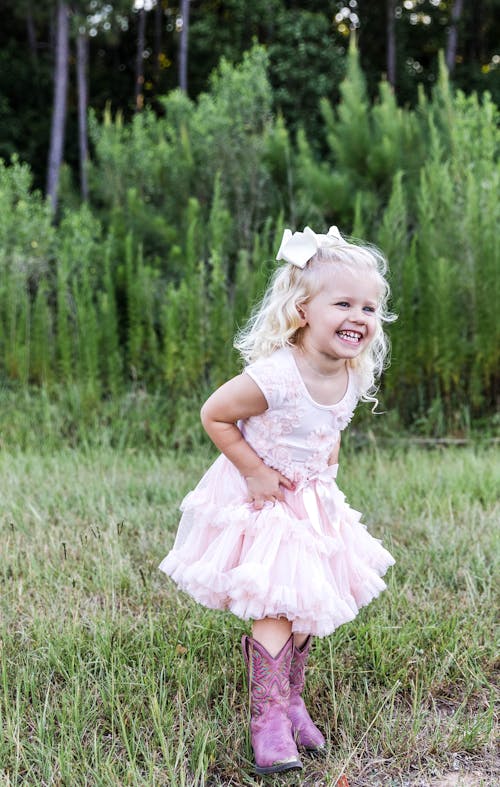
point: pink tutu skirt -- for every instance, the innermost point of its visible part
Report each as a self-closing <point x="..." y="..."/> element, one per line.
<point x="308" y="559"/>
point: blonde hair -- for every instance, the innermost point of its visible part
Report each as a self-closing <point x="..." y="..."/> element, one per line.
<point x="276" y="323"/>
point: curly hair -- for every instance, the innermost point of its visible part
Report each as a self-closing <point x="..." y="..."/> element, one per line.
<point x="276" y="323"/>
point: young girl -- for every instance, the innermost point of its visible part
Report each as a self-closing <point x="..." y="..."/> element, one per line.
<point x="267" y="533"/>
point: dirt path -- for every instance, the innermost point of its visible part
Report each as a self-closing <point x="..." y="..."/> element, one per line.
<point x="455" y="779"/>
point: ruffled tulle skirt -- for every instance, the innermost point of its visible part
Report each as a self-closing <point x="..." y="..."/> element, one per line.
<point x="308" y="558"/>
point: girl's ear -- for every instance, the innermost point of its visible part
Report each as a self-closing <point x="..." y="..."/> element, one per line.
<point x="302" y="314"/>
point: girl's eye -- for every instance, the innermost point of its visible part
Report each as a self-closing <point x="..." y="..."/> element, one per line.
<point x="342" y="303"/>
<point x="370" y="309"/>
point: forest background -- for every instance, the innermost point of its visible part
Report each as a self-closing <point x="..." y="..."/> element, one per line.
<point x="175" y="141"/>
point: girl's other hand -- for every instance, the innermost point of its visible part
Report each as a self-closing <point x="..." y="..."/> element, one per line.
<point x="265" y="485"/>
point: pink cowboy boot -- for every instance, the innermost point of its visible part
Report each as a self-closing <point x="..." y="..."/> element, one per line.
<point x="271" y="729"/>
<point x="306" y="733"/>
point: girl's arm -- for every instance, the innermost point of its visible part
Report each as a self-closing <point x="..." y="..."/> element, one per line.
<point x="237" y="399"/>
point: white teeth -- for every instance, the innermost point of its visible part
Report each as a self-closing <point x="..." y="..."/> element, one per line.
<point x="350" y="334"/>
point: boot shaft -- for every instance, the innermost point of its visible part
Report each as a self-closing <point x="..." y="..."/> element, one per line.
<point x="305" y="731"/>
<point x="268" y="676"/>
<point x="269" y="687"/>
<point x="300" y="657"/>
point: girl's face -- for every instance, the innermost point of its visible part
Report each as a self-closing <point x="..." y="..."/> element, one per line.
<point x="341" y="319"/>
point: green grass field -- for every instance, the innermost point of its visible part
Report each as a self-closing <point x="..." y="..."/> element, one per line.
<point x="110" y="677"/>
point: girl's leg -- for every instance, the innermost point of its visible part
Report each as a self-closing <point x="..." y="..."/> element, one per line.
<point x="299" y="639"/>
<point x="272" y="633"/>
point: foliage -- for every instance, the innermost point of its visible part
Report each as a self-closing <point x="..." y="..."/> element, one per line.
<point x="305" y="43"/>
<point x="446" y="271"/>
<point x="368" y="143"/>
<point x="306" y="65"/>
<point x="147" y="171"/>
<point x="146" y="285"/>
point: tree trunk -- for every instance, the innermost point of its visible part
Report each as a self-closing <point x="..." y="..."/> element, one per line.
<point x="451" y="44"/>
<point x="183" y="46"/>
<point x="82" y="43"/>
<point x="158" y="39"/>
<point x="391" y="42"/>
<point x="59" y="107"/>
<point x="139" y="62"/>
<point x="30" y="29"/>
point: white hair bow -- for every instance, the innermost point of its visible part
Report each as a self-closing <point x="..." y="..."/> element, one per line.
<point x="299" y="247"/>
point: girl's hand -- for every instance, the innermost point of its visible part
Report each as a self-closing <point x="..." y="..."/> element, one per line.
<point x="265" y="485"/>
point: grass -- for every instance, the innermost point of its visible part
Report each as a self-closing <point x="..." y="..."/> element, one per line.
<point x="108" y="676"/>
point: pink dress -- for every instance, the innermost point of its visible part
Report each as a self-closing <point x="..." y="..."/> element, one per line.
<point x="308" y="558"/>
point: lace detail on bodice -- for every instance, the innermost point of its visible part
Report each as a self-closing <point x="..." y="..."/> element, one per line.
<point x="294" y="435"/>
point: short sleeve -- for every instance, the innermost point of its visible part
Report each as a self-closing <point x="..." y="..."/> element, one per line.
<point x="270" y="376"/>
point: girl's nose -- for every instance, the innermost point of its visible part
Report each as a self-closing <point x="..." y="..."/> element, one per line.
<point x="357" y="314"/>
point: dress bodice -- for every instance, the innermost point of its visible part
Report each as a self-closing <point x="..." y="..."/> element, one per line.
<point x="295" y="435"/>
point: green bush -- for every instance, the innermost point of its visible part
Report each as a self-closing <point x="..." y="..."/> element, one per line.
<point x="143" y="289"/>
<point x="146" y="172"/>
<point x="445" y="261"/>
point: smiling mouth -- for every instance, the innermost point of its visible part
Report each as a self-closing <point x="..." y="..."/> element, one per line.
<point x="353" y="337"/>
